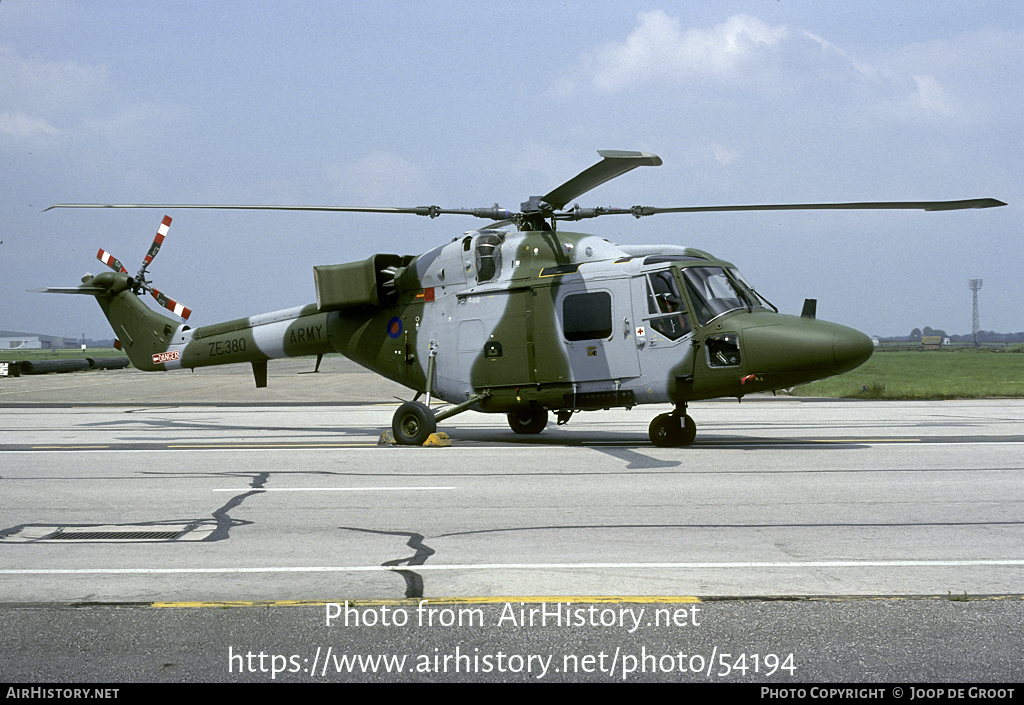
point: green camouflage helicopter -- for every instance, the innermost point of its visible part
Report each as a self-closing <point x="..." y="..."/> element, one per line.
<point x="522" y="321"/>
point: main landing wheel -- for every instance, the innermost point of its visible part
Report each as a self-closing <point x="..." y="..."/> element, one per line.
<point x="528" y="420"/>
<point x="671" y="430"/>
<point x="413" y="423"/>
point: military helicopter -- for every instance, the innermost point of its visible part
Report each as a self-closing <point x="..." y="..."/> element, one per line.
<point x="518" y="318"/>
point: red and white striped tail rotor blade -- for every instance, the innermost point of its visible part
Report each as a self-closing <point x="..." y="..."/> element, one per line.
<point x="111" y="261"/>
<point x="172" y="305"/>
<point x="161" y="233"/>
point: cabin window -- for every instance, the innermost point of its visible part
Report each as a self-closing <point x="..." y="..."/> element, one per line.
<point x="587" y="316"/>
<point x="488" y="255"/>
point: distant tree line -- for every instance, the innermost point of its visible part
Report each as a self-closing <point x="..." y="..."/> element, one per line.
<point x="984" y="336"/>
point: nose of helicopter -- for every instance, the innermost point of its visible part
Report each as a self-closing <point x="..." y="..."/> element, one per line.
<point x="801" y="349"/>
<point x="850" y="348"/>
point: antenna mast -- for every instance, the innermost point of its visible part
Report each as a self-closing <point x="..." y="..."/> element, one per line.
<point x="975" y="284"/>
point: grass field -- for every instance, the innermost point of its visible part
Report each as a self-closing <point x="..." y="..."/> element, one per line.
<point x="961" y="374"/>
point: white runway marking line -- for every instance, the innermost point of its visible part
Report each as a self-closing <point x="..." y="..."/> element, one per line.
<point x="522" y="566"/>
<point x="334" y="489"/>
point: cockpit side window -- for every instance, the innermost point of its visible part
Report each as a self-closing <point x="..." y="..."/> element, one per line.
<point x="662" y="294"/>
<point x="666" y="306"/>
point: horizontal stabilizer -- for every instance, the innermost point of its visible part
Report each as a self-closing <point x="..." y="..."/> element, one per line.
<point x="91" y="290"/>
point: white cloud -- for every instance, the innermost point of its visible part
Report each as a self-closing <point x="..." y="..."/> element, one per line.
<point x="52" y="87"/>
<point x="380" y="178"/>
<point x="19" y="125"/>
<point x="659" y="49"/>
<point x="844" y="58"/>
<point x="541" y="166"/>
<point x="724" y="155"/>
<point x="78" y="108"/>
<point x="136" y="123"/>
<point x="921" y="83"/>
<point x="969" y="78"/>
<point x="42" y="98"/>
<point x="931" y="96"/>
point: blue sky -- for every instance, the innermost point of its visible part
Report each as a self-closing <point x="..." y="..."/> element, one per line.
<point x="464" y="104"/>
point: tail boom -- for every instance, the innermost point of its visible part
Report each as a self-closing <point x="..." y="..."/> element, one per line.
<point x="154" y="342"/>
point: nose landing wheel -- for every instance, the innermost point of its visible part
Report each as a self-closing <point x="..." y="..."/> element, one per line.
<point x="413" y="423"/>
<point x="671" y="430"/>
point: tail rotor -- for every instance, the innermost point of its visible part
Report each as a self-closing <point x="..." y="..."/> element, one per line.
<point x="139" y="282"/>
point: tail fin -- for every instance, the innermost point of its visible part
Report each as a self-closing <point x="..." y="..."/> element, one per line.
<point x="143" y="332"/>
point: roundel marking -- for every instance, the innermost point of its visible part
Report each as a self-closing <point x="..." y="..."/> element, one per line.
<point x="394" y="327"/>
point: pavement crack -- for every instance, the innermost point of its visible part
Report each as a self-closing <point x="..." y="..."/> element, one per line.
<point x="413" y="580"/>
<point x="224" y="520"/>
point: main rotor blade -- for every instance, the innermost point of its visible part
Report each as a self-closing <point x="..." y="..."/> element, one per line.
<point x="871" y="205"/>
<point x="431" y="211"/>
<point x="613" y="163"/>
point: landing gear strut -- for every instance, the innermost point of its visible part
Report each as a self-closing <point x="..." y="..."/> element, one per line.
<point x="414" y="421"/>
<point x="674" y="429"/>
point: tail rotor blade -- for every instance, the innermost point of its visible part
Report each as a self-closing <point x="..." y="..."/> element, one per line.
<point x="161" y="233"/>
<point x="172" y="305"/>
<point x="111" y="261"/>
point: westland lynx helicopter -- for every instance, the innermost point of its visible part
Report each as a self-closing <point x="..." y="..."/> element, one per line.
<point x="521" y="322"/>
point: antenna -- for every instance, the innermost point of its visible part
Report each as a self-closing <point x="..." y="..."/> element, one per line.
<point x="975" y="284"/>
